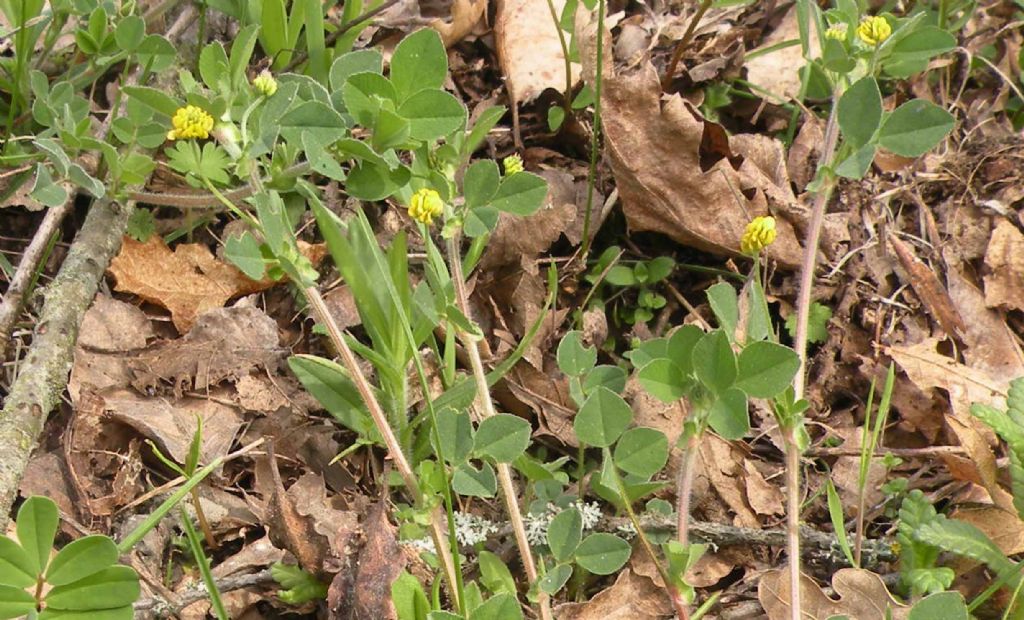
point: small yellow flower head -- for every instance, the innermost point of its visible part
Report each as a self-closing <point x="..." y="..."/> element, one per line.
<point x="759" y="234"/>
<point x="513" y="164"/>
<point x="837" y="32"/>
<point x="265" y="84"/>
<point x="874" y="30"/>
<point x="190" y="122"/>
<point x="426" y="204"/>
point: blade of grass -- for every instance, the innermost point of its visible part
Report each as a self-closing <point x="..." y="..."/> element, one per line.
<point x="195" y="545"/>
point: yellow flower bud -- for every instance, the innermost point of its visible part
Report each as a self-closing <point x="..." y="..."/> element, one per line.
<point x="874" y="30"/>
<point x="759" y="234"/>
<point x="190" y="122"/>
<point x="512" y="164"/>
<point x="836" y="32"/>
<point x="426" y="204"/>
<point x="265" y="84"/>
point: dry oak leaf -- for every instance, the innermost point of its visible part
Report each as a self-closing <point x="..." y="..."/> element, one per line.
<point x="1003" y="527"/>
<point x="862" y="596"/>
<point x="187" y="281"/>
<point x="529" y="49"/>
<point x="683" y="176"/>
<point x="224" y="343"/>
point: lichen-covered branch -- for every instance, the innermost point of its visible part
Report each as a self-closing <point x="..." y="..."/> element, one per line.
<point x="43" y="374"/>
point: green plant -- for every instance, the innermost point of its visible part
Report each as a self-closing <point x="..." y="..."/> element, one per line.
<point x="194" y="542"/>
<point x="416" y="140"/>
<point x="84" y="578"/>
<point x="857" y="51"/>
<point x="716" y="372"/>
<point x="924" y="533"/>
<point x="641" y="277"/>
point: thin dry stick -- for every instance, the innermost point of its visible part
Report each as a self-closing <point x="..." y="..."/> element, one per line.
<point x="438" y="533"/>
<point x="486" y="408"/>
<point x="683" y="43"/>
<point x="803" y="308"/>
<point x="13" y="300"/>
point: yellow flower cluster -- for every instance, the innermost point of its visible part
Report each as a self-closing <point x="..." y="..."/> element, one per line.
<point x="265" y="84"/>
<point x="837" y="32"/>
<point x="190" y="122"/>
<point x="513" y="164"/>
<point x="759" y="234"/>
<point x="426" y="204"/>
<point x="874" y="30"/>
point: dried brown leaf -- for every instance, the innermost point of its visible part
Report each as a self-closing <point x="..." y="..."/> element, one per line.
<point x="683" y="176"/>
<point x="187" y="281"/>
<point x="225" y="343"/>
<point x="928" y="288"/>
<point x="289" y="529"/>
<point x="380" y="563"/>
<point x="928" y="369"/>
<point x="723" y="465"/>
<point x="529" y="50"/>
<point x="631" y="597"/>
<point x="777" y="72"/>
<point x="518" y="240"/>
<point x="1003" y="527"/>
<point x="171" y="425"/>
<point x="465" y="16"/>
<point x="862" y="596"/>
<point x="980" y="459"/>
<point x="1004" y="258"/>
<point x="111" y="325"/>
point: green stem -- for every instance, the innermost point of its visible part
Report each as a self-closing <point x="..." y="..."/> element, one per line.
<point x="483" y="394"/>
<point x="449" y="562"/>
<point x="19" y="70"/>
<point x="595" y="135"/>
<point x="680" y="604"/>
<point x="567" y="97"/>
<point x="196" y="547"/>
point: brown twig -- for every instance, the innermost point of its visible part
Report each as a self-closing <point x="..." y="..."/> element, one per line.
<point x="164" y="608"/>
<point x="10" y="307"/>
<point x="683" y="43"/>
<point x="198" y="200"/>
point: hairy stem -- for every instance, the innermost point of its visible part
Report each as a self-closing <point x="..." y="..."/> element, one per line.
<point x="684" y="489"/>
<point x="319" y="310"/>
<point x="199" y="200"/>
<point x="682" y="613"/>
<point x="810" y="255"/>
<point x="807" y="267"/>
<point x="793" y="521"/>
<point x="486" y="408"/>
